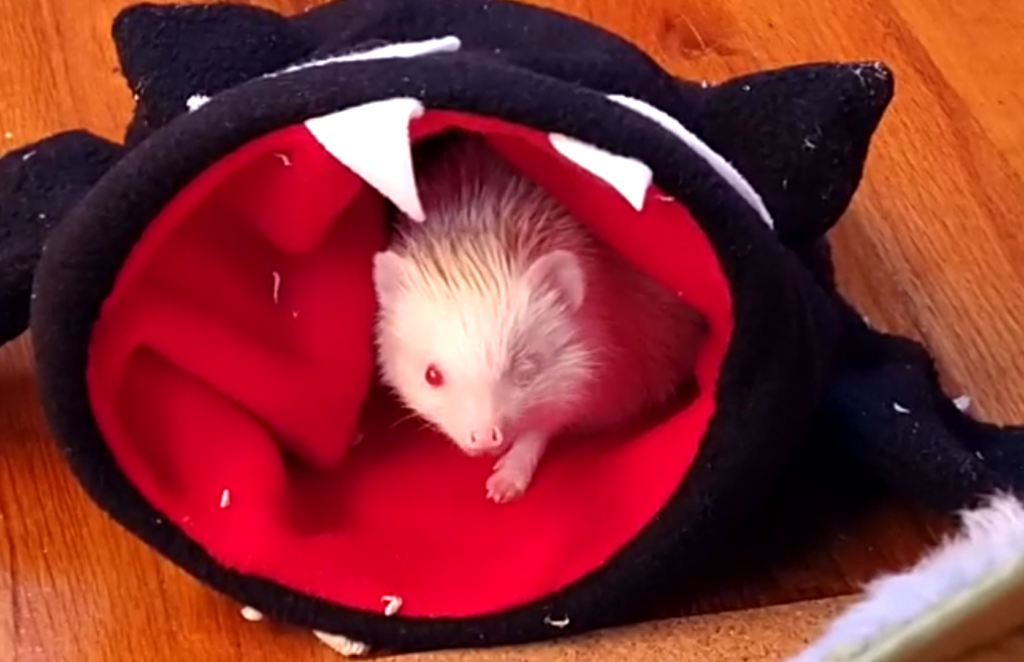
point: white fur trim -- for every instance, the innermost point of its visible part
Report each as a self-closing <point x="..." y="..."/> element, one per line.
<point x="405" y="49"/>
<point x="725" y="169"/>
<point x="630" y="177"/>
<point x="373" y="141"/>
<point x="342" y="644"/>
<point x="958" y="579"/>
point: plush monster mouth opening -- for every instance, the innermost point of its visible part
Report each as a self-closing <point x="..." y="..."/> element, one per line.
<point x="232" y="374"/>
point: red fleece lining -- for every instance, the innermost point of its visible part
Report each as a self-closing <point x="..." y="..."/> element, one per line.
<point x="202" y="383"/>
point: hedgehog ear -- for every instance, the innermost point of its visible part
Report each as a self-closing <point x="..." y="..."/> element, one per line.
<point x="389" y="274"/>
<point x="561" y="271"/>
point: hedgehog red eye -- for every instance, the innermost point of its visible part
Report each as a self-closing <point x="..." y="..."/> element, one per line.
<point x="433" y="376"/>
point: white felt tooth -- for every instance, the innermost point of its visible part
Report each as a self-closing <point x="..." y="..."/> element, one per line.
<point x="630" y="177"/>
<point x="373" y="141"/>
<point x="405" y="49"/>
<point x="725" y="170"/>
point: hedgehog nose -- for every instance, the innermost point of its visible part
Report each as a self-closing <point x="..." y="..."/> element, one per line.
<point x="489" y="439"/>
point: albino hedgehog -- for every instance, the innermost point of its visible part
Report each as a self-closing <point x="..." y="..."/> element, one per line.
<point x="504" y="322"/>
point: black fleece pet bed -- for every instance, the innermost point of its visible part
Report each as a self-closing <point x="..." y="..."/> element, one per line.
<point x="202" y="302"/>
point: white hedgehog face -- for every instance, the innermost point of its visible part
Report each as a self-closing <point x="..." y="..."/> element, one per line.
<point x="482" y="364"/>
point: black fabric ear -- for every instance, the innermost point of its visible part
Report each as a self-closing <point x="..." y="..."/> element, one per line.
<point x="886" y="408"/>
<point x="800" y="136"/>
<point x="39" y="184"/>
<point x="169" y="53"/>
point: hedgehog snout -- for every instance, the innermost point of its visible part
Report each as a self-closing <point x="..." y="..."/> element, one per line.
<point x="486" y="439"/>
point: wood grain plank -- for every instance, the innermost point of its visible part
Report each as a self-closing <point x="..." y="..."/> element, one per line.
<point x="987" y="76"/>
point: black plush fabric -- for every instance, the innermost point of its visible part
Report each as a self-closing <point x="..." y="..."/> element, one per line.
<point x="36" y="191"/>
<point x="888" y="411"/>
<point x="169" y="53"/>
<point x="784" y="357"/>
<point x="812" y="125"/>
<point x="801" y="356"/>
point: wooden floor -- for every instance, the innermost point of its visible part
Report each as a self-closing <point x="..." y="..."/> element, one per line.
<point x="932" y="247"/>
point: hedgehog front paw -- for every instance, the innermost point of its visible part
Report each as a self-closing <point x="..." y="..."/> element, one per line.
<point x="513" y="473"/>
<point x="511" y="477"/>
